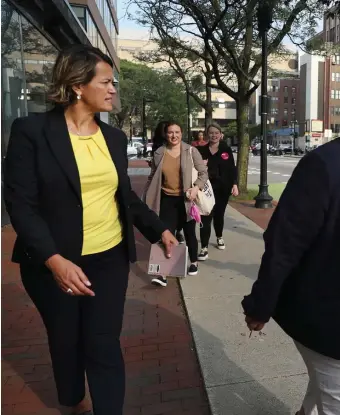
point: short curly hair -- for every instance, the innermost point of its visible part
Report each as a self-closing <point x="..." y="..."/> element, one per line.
<point x="75" y="65"/>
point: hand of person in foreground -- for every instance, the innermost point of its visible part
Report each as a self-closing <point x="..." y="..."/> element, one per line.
<point x="254" y="325"/>
<point x="168" y="241"/>
<point x="69" y="277"/>
<point x="235" y="191"/>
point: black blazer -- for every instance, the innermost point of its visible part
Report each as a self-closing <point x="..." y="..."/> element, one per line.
<point x="221" y="166"/>
<point x="43" y="196"/>
<point x="299" y="278"/>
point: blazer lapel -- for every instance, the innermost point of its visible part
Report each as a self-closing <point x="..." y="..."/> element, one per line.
<point x="57" y="135"/>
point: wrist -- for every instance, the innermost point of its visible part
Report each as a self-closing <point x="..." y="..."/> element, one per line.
<point x="51" y="261"/>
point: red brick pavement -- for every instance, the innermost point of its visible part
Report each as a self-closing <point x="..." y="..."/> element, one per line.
<point x="163" y="375"/>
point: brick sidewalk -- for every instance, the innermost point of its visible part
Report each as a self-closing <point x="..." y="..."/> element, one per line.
<point x="163" y="376"/>
<point x="260" y="216"/>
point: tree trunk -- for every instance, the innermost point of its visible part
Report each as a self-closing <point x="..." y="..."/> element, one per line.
<point x="208" y="103"/>
<point x="243" y="144"/>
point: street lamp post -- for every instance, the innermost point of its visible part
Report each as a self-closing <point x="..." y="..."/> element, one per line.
<point x="263" y="200"/>
<point x="144" y="120"/>
<point x="188" y="115"/>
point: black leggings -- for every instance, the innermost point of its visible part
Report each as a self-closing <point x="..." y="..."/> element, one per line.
<point x="173" y="214"/>
<point x="217" y="215"/>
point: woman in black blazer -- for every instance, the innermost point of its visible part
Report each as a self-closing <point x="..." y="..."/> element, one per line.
<point x="70" y="202"/>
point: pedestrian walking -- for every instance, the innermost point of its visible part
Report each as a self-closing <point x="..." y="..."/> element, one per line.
<point x="170" y="190"/>
<point x="70" y="201"/>
<point x="159" y="139"/>
<point x="200" y="140"/>
<point x="299" y="278"/>
<point x="223" y="177"/>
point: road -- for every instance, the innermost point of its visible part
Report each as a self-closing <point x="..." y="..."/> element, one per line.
<point x="279" y="171"/>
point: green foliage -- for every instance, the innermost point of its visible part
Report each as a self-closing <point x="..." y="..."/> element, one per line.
<point x="165" y="97"/>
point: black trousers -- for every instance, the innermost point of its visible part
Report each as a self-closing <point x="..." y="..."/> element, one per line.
<point x="83" y="332"/>
<point x="173" y="214"/>
<point x="216" y="216"/>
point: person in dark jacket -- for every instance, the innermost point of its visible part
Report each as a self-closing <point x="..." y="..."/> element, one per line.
<point x="70" y="201"/>
<point x="223" y="177"/>
<point x="299" y="277"/>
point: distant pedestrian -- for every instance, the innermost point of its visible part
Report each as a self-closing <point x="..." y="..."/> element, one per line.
<point x="70" y="201"/>
<point x="200" y="140"/>
<point x="169" y="183"/>
<point x="223" y="177"/>
<point x="158" y="140"/>
<point x="299" y="277"/>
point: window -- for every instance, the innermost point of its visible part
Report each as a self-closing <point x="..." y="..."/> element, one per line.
<point x="274" y="111"/>
<point x="293" y="112"/>
<point x="80" y="12"/>
<point x="285" y="112"/>
<point x="335" y="111"/>
<point x="285" y="89"/>
<point x="27" y="58"/>
<point x="284" y="123"/>
<point x="337" y="77"/>
<point x="285" y="100"/>
<point x="293" y="90"/>
<point x="336" y="128"/>
<point x="274" y="88"/>
<point x="336" y="59"/>
<point x="332" y="94"/>
<point x="333" y="77"/>
<point x="293" y="101"/>
<point x="332" y="110"/>
<point x="106" y="15"/>
<point x="337" y="94"/>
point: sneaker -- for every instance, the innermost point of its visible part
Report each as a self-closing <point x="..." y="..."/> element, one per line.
<point x="160" y="281"/>
<point x="180" y="238"/>
<point x="220" y="243"/>
<point x="193" y="269"/>
<point x="203" y="255"/>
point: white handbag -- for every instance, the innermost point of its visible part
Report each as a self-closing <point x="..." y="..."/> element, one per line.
<point x="205" y="199"/>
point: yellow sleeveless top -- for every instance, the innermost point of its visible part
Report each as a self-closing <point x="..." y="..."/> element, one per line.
<point x="102" y="229"/>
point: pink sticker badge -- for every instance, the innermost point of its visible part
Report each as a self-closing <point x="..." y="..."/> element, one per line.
<point x="225" y="156"/>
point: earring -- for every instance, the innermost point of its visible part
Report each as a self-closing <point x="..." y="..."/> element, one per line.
<point x="78" y="96"/>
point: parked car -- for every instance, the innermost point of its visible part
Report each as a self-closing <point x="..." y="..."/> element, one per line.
<point x="132" y="149"/>
<point x="145" y="150"/>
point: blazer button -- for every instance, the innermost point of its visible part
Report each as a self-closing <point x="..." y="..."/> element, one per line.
<point x="78" y="206"/>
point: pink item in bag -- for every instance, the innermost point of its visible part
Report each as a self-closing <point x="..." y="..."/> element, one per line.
<point x="194" y="213"/>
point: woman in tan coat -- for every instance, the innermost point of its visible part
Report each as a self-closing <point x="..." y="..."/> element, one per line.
<point x="170" y="190"/>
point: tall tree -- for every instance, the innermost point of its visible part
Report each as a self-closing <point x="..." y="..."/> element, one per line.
<point x="225" y="35"/>
<point x="165" y="96"/>
<point x="195" y="74"/>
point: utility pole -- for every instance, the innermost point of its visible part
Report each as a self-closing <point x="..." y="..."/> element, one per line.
<point x="188" y="115"/>
<point x="144" y="121"/>
<point x="263" y="200"/>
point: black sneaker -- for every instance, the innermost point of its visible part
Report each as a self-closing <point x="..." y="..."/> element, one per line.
<point x="203" y="255"/>
<point x="193" y="269"/>
<point x="220" y="243"/>
<point x="160" y="281"/>
<point x="180" y="238"/>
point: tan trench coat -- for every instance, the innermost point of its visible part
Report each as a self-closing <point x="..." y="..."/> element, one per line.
<point x="152" y="192"/>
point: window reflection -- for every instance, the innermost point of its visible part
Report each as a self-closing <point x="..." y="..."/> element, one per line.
<point x="39" y="57"/>
<point x="12" y="74"/>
